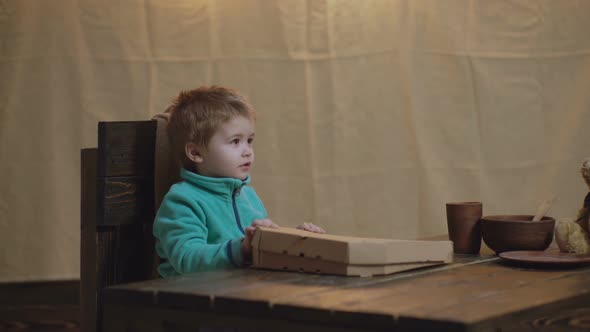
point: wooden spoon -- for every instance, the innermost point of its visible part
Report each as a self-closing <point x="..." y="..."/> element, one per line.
<point x="543" y="208"/>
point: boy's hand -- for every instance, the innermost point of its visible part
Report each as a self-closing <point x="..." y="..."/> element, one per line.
<point x="307" y="226"/>
<point x="250" y="230"/>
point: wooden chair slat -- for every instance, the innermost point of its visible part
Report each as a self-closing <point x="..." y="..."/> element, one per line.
<point x="127" y="148"/>
<point x="120" y="254"/>
<point x="88" y="278"/>
<point x="125" y="200"/>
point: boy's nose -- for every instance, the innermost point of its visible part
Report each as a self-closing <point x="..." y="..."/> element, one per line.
<point x="247" y="151"/>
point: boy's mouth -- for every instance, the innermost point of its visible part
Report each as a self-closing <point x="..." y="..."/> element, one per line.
<point x="246" y="165"/>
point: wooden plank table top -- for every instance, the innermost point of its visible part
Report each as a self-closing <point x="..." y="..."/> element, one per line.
<point x="475" y="292"/>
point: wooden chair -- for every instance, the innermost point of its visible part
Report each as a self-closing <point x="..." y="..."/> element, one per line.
<point x="117" y="212"/>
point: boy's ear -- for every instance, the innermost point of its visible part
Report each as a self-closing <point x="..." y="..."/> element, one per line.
<point x="193" y="152"/>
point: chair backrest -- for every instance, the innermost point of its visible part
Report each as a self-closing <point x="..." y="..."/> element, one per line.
<point x="117" y="212"/>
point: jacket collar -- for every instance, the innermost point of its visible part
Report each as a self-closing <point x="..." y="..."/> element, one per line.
<point x="222" y="186"/>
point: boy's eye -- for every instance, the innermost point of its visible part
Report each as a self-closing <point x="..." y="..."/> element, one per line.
<point x="235" y="141"/>
<point x="250" y="140"/>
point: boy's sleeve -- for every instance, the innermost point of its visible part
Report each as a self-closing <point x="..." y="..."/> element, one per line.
<point x="259" y="204"/>
<point x="182" y="234"/>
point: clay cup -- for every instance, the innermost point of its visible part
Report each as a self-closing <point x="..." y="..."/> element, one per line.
<point x="464" y="226"/>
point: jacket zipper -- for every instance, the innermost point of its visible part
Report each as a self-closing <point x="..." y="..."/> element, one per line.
<point x="233" y="199"/>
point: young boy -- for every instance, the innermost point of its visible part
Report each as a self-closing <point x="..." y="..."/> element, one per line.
<point x="208" y="219"/>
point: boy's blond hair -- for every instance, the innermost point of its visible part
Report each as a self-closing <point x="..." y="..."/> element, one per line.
<point x="196" y="114"/>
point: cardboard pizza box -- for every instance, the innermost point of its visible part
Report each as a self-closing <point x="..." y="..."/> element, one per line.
<point x="350" y="250"/>
<point x="274" y="261"/>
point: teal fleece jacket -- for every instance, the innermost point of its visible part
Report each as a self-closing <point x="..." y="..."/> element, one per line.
<point x="201" y="221"/>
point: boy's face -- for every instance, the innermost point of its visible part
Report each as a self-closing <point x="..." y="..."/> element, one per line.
<point x="230" y="152"/>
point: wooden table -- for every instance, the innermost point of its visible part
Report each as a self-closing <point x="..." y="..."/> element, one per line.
<point x="474" y="293"/>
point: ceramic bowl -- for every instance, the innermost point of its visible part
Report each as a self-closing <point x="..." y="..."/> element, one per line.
<point x="516" y="232"/>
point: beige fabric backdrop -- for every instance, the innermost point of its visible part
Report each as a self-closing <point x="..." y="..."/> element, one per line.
<point x="372" y="114"/>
